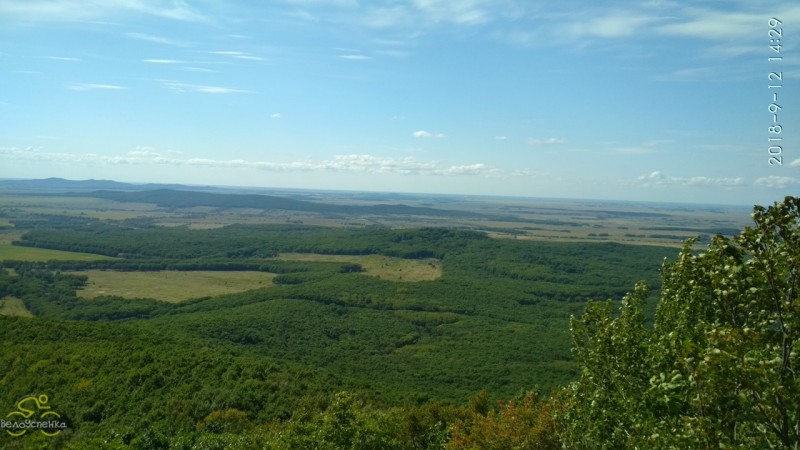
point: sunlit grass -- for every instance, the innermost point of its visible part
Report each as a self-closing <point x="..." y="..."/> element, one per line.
<point x="384" y="267"/>
<point x="12" y="306"/>
<point x="17" y="253"/>
<point x="171" y="286"/>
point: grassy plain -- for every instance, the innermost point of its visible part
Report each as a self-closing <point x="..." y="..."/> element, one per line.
<point x="501" y="217"/>
<point x="171" y="286"/>
<point x="384" y="267"/>
<point x="17" y="253"/>
<point x="12" y="306"/>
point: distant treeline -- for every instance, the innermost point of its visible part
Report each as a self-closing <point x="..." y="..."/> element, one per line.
<point x="171" y="198"/>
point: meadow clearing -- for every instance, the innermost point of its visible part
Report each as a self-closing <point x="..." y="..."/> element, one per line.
<point x="170" y="286"/>
<point x="12" y="306"/>
<point x="384" y="267"/>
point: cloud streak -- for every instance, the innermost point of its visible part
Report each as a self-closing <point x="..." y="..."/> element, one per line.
<point x="238" y="55"/>
<point x="96" y="87"/>
<point x="657" y="178"/>
<point x="163" y="61"/>
<point x="422" y="134"/>
<point x="353" y="163"/>
<point x="545" y="142"/>
<point x="777" y="182"/>
<point x="203" y="89"/>
<point x="75" y="10"/>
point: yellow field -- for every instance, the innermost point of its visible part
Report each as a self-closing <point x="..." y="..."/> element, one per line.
<point x="171" y="286"/>
<point x="12" y="306"/>
<point x="385" y="267"/>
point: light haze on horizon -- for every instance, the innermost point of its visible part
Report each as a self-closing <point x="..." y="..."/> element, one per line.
<point x="651" y="100"/>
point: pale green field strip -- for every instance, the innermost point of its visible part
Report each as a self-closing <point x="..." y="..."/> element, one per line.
<point x="384" y="267"/>
<point x="17" y="253"/>
<point x="171" y="286"/>
<point x="12" y="306"/>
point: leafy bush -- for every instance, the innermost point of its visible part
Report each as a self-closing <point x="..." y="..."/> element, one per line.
<point x="718" y="368"/>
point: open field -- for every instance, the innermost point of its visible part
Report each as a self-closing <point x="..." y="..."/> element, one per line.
<point x="17" y="253"/>
<point x="500" y="217"/>
<point x="170" y="286"/>
<point x="384" y="267"/>
<point x="12" y="306"/>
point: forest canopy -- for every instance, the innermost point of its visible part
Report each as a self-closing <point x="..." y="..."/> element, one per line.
<point x="703" y="356"/>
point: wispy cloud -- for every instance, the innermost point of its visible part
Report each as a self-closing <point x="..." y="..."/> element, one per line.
<point x="692" y="74"/>
<point x="184" y="87"/>
<point x="353" y="163"/>
<point x="467" y="12"/>
<point x="714" y="24"/>
<point x="157" y="39"/>
<point x="74" y="10"/>
<point x="238" y="55"/>
<point x="614" y="24"/>
<point x="355" y="57"/>
<point x="422" y="134"/>
<point x="63" y="58"/>
<point x="163" y="61"/>
<point x="644" y="148"/>
<point x="95" y="87"/>
<point x="469" y="169"/>
<point x="545" y="142"/>
<point x="656" y="178"/>
<point x="777" y="182"/>
<point x="198" y="69"/>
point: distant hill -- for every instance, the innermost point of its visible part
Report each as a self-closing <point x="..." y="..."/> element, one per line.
<point x="182" y="196"/>
<point x="61" y="184"/>
<point x="186" y="199"/>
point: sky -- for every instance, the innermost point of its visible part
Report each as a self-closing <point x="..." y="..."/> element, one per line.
<point x="651" y="100"/>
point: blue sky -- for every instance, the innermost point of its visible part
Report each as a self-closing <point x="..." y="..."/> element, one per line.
<point x="634" y="100"/>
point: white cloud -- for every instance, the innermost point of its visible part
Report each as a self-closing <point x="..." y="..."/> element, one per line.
<point x="422" y="134"/>
<point x="276" y="115"/>
<point x="94" y="87"/>
<point x="500" y="138"/>
<point x="62" y="58"/>
<point x="527" y="172"/>
<point x="157" y="39"/>
<point x="163" y="61"/>
<point x="714" y="24"/>
<point x="777" y="182"/>
<point x="693" y="74"/>
<point x="465" y="12"/>
<point x="642" y="149"/>
<point x="549" y="141"/>
<point x="239" y="55"/>
<point x="355" y="57"/>
<point x="616" y="24"/>
<point x="74" y="10"/>
<point x="656" y="178"/>
<point x="795" y="163"/>
<point x="183" y="87"/>
<point x="469" y="169"/>
<point x="198" y="69"/>
<point x="355" y="163"/>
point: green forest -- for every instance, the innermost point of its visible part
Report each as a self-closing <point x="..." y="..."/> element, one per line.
<point x="518" y="344"/>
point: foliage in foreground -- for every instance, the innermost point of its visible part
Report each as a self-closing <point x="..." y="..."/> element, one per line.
<point x="719" y="367"/>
